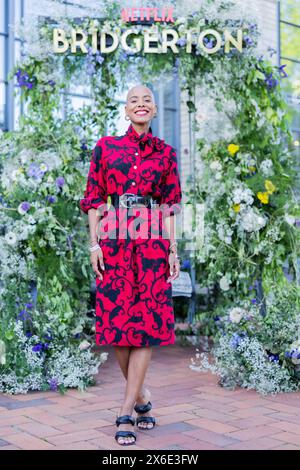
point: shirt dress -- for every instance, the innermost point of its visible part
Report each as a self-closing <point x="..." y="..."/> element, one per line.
<point x="134" y="305"/>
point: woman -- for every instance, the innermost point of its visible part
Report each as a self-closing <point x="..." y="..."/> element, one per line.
<point x="134" y="177"/>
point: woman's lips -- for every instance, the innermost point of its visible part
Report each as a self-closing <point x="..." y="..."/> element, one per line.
<point x="141" y="112"/>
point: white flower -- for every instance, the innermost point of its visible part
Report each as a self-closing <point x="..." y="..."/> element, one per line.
<point x="236" y="314"/>
<point x="290" y="219"/>
<point x="266" y="167"/>
<point x="242" y="194"/>
<point x="11" y="238"/>
<point x="225" y="283"/>
<point x="43" y="167"/>
<point x="84" y="345"/>
<point x="218" y="175"/>
<point x="251" y="221"/>
<point x="215" y="165"/>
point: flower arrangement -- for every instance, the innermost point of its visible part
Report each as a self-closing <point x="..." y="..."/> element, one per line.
<point x="254" y="351"/>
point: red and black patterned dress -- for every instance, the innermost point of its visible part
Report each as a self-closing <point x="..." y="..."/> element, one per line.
<point x="134" y="305"/>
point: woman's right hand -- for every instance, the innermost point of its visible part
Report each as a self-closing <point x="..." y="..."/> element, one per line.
<point x="96" y="261"/>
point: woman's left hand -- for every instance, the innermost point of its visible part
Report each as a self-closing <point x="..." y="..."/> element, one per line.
<point x="174" y="267"/>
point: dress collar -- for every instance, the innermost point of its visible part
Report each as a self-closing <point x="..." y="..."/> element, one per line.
<point x="136" y="137"/>
<point x="147" y="142"/>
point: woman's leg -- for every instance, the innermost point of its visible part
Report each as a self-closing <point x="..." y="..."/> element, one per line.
<point x="122" y="353"/>
<point x="138" y="362"/>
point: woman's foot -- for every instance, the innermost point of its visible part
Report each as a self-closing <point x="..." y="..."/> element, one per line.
<point x="125" y="427"/>
<point x="143" y="399"/>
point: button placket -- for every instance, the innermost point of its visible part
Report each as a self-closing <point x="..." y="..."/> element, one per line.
<point x="135" y="167"/>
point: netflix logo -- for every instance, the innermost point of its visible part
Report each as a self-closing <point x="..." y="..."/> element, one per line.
<point x="146" y="14"/>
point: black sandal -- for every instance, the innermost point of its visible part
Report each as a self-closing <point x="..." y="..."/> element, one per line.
<point x="124" y="420"/>
<point x="144" y="419"/>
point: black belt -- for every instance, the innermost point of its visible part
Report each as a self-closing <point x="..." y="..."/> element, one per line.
<point x="129" y="199"/>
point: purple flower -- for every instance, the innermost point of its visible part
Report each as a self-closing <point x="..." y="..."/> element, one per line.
<point x="29" y="334"/>
<point x="23" y="79"/>
<point x="53" y="384"/>
<point x="254" y="301"/>
<point x="297" y="223"/>
<point x="90" y="68"/>
<point x="236" y="339"/>
<point x="29" y="305"/>
<point x="99" y="59"/>
<point x="25" y="206"/>
<point x="60" y="181"/>
<point x="181" y="42"/>
<point x="248" y="40"/>
<point x="52" y="83"/>
<point x="35" y="172"/>
<point x="209" y="43"/>
<point x="186" y="264"/>
<point x="51" y="199"/>
<point x="283" y="72"/>
<point x="270" y="81"/>
<point x="37" y="347"/>
<point x="273" y="357"/>
<point x="83" y="145"/>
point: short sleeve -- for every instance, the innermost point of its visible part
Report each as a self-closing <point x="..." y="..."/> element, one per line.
<point x="96" y="190"/>
<point x="171" y="195"/>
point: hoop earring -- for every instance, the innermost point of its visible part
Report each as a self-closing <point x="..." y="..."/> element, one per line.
<point x="127" y="118"/>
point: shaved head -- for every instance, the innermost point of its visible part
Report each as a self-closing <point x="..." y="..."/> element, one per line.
<point x="140" y="89"/>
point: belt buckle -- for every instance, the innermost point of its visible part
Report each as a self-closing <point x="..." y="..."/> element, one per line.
<point x="124" y="199"/>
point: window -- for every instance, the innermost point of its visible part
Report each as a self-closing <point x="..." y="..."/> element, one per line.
<point x="289" y="22"/>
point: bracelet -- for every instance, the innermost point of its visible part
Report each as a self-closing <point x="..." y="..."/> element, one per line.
<point x="92" y="240"/>
<point x="172" y="244"/>
<point x="94" y="248"/>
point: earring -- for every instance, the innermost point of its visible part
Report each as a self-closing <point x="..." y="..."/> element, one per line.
<point x="127" y="118"/>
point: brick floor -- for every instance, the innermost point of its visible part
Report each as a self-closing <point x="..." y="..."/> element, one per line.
<point x="192" y="411"/>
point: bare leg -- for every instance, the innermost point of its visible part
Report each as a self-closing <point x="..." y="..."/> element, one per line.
<point x="139" y="359"/>
<point x="122" y="353"/>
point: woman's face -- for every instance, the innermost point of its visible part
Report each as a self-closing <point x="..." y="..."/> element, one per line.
<point x="140" y="106"/>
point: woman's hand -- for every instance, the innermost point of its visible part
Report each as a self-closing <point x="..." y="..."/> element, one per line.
<point x="174" y="267"/>
<point x="96" y="261"/>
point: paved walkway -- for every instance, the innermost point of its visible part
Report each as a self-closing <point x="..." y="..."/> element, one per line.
<point x="192" y="412"/>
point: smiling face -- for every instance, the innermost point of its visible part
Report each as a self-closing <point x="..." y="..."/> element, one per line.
<point x="140" y="105"/>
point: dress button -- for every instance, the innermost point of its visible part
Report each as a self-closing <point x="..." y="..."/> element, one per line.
<point x="135" y="167"/>
<point x="133" y="183"/>
<point x="136" y="153"/>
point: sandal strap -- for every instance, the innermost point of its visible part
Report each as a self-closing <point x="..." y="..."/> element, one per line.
<point x="125" y="419"/>
<point x="143" y="408"/>
<point x="145" y="419"/>
<point x="125" y="434"/>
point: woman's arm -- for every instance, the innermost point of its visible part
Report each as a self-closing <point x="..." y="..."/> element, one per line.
<point x="96" y="256"/>
<point x="174" y="264"/>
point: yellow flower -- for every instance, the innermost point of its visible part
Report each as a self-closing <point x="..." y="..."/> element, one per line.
<point x="263" y="197"/>
<point x="236" y="207"/>
<point x="232" y="149"/>
<point x="252" y="168"/>
<point x="269" y="186"/>
<point x="20" y="170"/>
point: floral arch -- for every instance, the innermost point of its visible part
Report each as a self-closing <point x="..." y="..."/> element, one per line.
<point x="244" y="179"/>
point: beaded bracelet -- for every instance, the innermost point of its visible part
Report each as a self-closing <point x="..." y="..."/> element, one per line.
<point x="172" y="244"/>
<point x="94" y="248"/>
